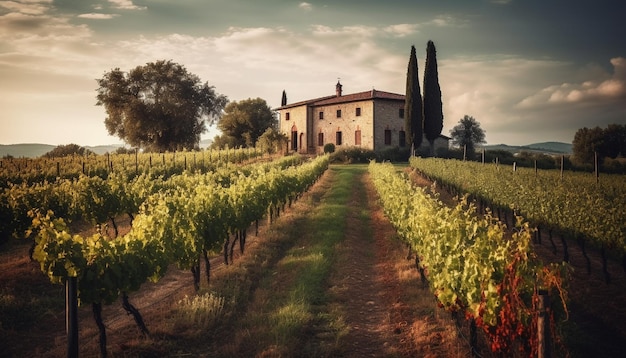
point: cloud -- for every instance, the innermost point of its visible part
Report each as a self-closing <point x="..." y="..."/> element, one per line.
<point x="608" y="88"/>
<point x="305" y="6"/>
<point x="250" y="62"/>
<point x="27" y="7"/>
<point x="97" y="16"/>
<point x="401" y="30"/>
<point x="482" y="87"/>
<point x="126" y="5"/>
<point x="448" y="21"/>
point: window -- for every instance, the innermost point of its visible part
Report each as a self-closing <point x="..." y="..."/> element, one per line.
<point x="357" y="137"/>
<point x="287" y="116"/>
<point x="320" y="139"/>
<point x="321" y="115"/>
<point x="338" y="138"/>
<point x="294" y="140"/>
<point x="387" y="137"/>
<point x="338" y="113"/>
<point x="402" y="139"/>
<point x="358" y="111"/>
<point x="401" y="113"/>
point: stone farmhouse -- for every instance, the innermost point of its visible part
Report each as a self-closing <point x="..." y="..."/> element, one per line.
<point x="371" y="120"/>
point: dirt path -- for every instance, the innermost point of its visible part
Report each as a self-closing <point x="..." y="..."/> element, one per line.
<point x="387" y="309"/>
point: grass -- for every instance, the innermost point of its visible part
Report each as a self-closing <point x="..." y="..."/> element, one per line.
<point x="309" y="264"/>
<point x="287" y="315"/>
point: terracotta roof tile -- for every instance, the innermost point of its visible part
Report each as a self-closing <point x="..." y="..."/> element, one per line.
<point x="361" y="96"/>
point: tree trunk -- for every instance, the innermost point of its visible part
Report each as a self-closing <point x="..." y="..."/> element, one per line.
<point x="130" y="309"/>
<point x="97" y="315"/>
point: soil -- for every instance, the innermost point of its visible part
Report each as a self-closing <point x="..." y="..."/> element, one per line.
<point x="388" y="310"/>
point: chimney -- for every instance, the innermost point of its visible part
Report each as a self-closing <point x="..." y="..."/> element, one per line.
<point x="338" y="88"/>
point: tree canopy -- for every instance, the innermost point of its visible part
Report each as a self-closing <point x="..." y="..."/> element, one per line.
<point x="159" y="106"/>
<point x="609" y="142"/>
<point x="244" y="122"/>
<point x="413" y="112"/>
<point x="467" y="134"/>
<point x="433" y="107"/>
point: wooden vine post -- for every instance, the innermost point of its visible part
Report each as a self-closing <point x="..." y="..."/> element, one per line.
<point x="71" y="316"/>
<point x="543" y="334"/>
<point x="596" y="167"/>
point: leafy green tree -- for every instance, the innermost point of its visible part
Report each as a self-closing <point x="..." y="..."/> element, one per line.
<point x="245" y="121"/>
<point x="159" y="106"/>
<point x="467" y="134"/>
<point x="586" y="143"/>
<point x="413" y="112"/>
<point x="607" y="143"/>
<point x="67" y="150"/>
<point x="433" y="107"/>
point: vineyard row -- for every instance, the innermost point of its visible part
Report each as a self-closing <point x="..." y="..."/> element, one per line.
<point x="472" y="265"/>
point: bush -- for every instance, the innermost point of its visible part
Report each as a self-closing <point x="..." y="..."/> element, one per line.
<point x="352" y="155"/>
<point x="394" y="154"/>
<point x="329" y="148"/>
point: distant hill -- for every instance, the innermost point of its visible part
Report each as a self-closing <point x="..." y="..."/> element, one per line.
<point x="205" y="143"/>
<point x="102" y="149"/>
<point x="34" y="150"/>
<point x="544" y="147"/>
<point x="26" y="150"/>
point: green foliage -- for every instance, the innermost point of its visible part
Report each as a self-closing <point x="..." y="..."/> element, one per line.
<point x="124" y="150"/>
<point x="329" y="148"/>
<point x="433" y="107"/>
<point x="543" y="197"/>
<point x="187" y="216"/>
<point x="67" y="150"/>
<point x="609" y="142"/>
<point x="159" y="106"/>
<point x="413" y="110"/>
<point x="245" y="121"/>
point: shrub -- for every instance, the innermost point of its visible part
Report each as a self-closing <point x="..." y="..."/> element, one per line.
<point x="329" y="148"/>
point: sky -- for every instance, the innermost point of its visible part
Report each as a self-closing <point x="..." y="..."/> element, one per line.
<point x="527" y="70"/>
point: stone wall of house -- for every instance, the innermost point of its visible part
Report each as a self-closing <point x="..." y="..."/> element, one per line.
<point x="388" y="117"/>
<point x="349" y="125"/>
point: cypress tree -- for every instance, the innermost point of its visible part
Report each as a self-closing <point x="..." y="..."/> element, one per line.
<point x="433" y="108"/>
<point x="283" y="101"/>
<point x="413" y="114"/>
